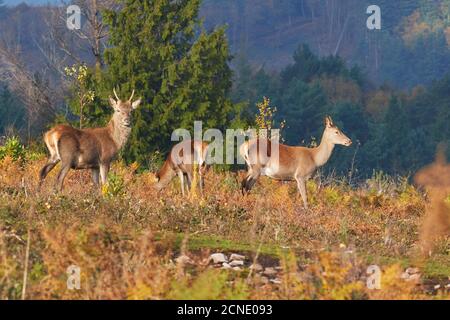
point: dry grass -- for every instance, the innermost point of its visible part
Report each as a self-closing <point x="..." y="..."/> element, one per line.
<point x="126" y="237"/>
<point x="436" y="225"/>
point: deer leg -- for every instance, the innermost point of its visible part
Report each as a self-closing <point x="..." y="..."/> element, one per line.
<point x="201" y="183"/>
<point x="95" y="176"/>
<point x="181" y="176"/>
<point x="244" y="182"/>
<point x="202" y="172"/>
<point x="51" y="163"/>
<point x="189" y="181"/>
<point x="301" y="184"/>
<point x="104" y="170"/>
<point x="65" y="167"/>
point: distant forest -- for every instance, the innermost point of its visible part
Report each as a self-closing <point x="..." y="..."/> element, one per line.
<point x="388" y="89"/>
<point x="412" y="47"/>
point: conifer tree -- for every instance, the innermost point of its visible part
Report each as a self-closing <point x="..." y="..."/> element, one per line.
<point x="395" y="135"/>
<point x="158" y="48"/>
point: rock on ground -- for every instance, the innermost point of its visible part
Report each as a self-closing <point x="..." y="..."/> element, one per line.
<point x="236" y="263"/>
<point x="218" y="258"/>
<point x="270" y="271"/>
<point x="238" y="257"/>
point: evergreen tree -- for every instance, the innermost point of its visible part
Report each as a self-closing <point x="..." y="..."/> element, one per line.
<point x="252" y="86"/>
<point x="159" y="49"/>
<point x="303" y="106"/>
<point x="396" y="136"/>
<point x="243" y="81"/>
<point x="306" y="65"/>
<point x="374" y="154"/>
<point x="350" y="118"/>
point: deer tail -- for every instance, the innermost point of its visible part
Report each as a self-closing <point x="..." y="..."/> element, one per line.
<point x="243" y="151"/>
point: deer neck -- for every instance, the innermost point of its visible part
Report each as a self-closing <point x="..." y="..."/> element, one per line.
<point x="119" y="133"/>
<point x="323" y="152"/>
<point x="165" y="174"/>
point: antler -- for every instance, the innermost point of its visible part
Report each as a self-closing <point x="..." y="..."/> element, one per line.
<point x="114" y="90"/>
<point x="132" y="94"/>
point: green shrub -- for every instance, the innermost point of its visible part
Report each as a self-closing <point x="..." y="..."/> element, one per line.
<point x="13" y="148"/>
<point x="114" y="187"/>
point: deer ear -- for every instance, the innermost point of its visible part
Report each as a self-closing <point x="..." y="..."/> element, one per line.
<point x="112" y="102"/>
<point x="328" y="121"/>
<point x="136" y="104"/>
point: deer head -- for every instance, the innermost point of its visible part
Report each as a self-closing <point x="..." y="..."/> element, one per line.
<point x="123" y="109"/>
<point x="334" y="135"/>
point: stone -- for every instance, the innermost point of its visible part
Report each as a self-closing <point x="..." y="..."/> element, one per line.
<point x="238" y="257"/>
<point x="237" y="269"/>
<point x="275" y="281"/>
<point x="218" y="258"/>
<point x="414" y="277"/>
<point x="226" y="265"/>
<point x="236" y="263"/>
<point x="412" y="270"/>
<point x="405" y="276"/>
<point x="270" y="271"/>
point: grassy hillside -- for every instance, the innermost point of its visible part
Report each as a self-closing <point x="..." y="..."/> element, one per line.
<point x="128" y="239"/>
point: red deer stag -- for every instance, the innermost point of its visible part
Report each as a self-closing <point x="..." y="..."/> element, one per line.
<point x="292" y="163"/>
<point x="91" y="148"/>
<point x="180" y="161"/>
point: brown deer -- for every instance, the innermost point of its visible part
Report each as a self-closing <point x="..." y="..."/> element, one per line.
<point x="91" y="148"/>
<point x="292" y="163"/>
<point x="180" y="161"/>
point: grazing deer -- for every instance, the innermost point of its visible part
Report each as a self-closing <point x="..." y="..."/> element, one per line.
<point x="180" y="161"/>
<point x="91" y="148"/>
<point x="293" y="163"/>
